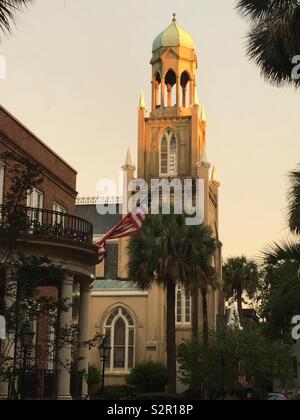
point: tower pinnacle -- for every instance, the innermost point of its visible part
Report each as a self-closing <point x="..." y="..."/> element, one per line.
<point x="214" y="177"/>
<point x="142" y="103"/>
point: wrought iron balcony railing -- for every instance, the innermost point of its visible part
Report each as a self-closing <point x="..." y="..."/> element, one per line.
<point x="48" y="223"/>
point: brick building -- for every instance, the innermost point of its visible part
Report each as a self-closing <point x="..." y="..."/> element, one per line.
<point x="53" y="231"/>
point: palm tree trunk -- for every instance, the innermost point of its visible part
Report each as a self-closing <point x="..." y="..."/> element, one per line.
<point x="205" y="336"/>
<point x="205" y="322"/>
<point x="195" y="312"/>
<point x="240" y="307"/>
<point x="171" y="337"/>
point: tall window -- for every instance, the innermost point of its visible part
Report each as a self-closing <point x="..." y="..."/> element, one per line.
<point x="168" y="154"/>
<point x="1" y="182"/>
<point x="120" y="330"/>
<point x="35" y="200"/>
<point x="58" y="217"/>
<point x="183" y="306"/>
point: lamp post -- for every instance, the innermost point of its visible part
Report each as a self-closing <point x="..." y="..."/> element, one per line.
<point x="104" y="350"/>
<point x="26" y="337"/>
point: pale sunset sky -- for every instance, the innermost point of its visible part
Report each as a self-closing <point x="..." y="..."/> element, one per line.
<point x="74" y="72"/>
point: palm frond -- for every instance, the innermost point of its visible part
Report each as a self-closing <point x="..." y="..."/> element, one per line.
<point x="261" y="9"/>
<point x="294" y="201"/>
<point x="8" y="12"/>
<point x="274" y="37"/>
<point x="240" y="275"/>
<point x="286" y="251"/>
<point x="168" y="250"/>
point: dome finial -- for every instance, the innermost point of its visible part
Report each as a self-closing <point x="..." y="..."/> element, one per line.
<point x="174" y="17"/>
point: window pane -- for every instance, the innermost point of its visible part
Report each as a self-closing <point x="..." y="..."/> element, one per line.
<point x="164" y="156"/>
<point x="130" y="357"/>
<point x="112" y="317"/>
<point x="108" y="343"/>
<point x="127" y="316"/>
<point x="188" y="308"/>
<point x="179" y="306"/>
<point x="131" y="337"/>
<point x="173" y="147"/>
<point x="173" y="144"/>
<point x="119" y="357"/>
<point x="164" y="145"/>
<point x="120" y="332"/>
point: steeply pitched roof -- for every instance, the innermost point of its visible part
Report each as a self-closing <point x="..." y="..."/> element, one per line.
<point x="115" y="285"/>
<point x="102" y="223"/>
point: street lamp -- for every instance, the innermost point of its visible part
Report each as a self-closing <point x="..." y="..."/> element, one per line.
<point x="26" y="338"/>
<point x="104" y="351"/>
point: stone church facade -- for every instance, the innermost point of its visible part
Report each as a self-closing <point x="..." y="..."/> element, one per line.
<point x="171" y="144"/>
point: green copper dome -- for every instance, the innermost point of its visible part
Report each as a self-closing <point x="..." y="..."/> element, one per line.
<point x="173" y="36"/>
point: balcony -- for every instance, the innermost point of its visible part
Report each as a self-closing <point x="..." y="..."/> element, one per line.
<point x="50" y="224"/>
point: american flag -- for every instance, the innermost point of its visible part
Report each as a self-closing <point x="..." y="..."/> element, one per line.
<point x="129" y="226"/>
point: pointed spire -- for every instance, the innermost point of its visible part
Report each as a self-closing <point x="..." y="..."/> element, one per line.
<point x="128" y="158"/>
<point x="128" y="164"/>
<point x="142" y="103"/>
<point x="204" y="155"/>
<point x="203" y="115"/>
<point x="214" y="177"/>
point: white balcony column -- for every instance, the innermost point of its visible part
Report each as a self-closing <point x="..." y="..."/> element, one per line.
<point x="64" y="349"/>
<point x="8" y="345"/>
<point x="84" y="316"/>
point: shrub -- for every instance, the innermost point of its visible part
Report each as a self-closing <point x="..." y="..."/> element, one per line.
<point x="94" y="376"/>
<point x="115" y="392"/>
<point x="192" y="394"/>
<point x="157" y="397"/>
<point x="148" y="377"/>
<point x="229" y="398"/>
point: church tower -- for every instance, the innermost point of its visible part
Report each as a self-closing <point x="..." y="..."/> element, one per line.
<point x="172" y="135"/>
<point x="172" y="139"/>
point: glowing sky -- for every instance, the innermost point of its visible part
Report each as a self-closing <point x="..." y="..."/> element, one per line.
<point x="74" y="72"/>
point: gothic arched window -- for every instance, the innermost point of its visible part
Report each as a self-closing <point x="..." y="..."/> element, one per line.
<point x="120" y="331"/>
<point x="168" y="154"/>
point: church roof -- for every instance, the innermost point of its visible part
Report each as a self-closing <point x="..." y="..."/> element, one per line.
<point x="102" y="223"/>
<point x="115" y="285"/>
<point x="173" y="36"/>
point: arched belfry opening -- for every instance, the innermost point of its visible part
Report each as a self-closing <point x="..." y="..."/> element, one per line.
<point x="157" y="90"/>
<point x="170" y="82"/>
<point x="185" y="82"/>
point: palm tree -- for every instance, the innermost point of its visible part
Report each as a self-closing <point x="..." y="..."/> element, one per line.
<point x="165" y="253"/>
<point x="8" y="12"/>
<point x="274" y="37"/>
<point x="294" y="201"/>
<point x="281" y="286"/>
<point x="286" y="251"/>
<point x="240" y="275"/>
